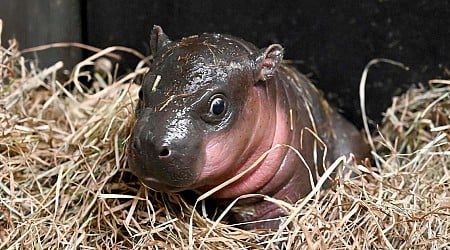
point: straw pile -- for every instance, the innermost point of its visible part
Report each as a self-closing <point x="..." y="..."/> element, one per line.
<point x="64" y="182"/>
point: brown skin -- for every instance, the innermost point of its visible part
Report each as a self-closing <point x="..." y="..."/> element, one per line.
<point x="212" y="104"/>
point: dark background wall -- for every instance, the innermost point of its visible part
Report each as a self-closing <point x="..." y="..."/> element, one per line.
<point x="40" y="22"/>
<point x="330" y="40"/>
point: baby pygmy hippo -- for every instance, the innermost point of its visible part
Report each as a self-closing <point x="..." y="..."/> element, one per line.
<point x="212" y="104"/>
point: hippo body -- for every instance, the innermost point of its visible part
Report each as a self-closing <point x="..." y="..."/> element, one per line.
<point x="212" y="104"/>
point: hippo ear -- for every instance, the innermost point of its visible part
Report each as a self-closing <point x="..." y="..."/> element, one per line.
<point x="158" y="39"/>
<point x="267" y="61"/>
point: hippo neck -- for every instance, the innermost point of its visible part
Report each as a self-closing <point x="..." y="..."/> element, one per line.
<point x="293" y="96"/>
<point x="282" y="120"/>
<point x="263" y="106"/>
<point x="299" y="120"/>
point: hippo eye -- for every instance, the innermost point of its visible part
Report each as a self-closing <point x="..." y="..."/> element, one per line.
<point x="217" y="106"/>
<point x="216" y="110"/>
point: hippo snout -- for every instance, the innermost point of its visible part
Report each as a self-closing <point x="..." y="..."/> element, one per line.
<point x="164" y="159"/>
<point x="145" y="145"/>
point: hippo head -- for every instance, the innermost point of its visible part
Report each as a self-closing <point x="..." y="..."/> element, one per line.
<point x="194" y="124"/>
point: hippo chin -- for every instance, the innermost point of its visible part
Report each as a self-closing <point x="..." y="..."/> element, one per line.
<point x="212" y="104"/>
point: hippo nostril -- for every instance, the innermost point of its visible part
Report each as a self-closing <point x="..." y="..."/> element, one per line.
<point x="165" y="152"/>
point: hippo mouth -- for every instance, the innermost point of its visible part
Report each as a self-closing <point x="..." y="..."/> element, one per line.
<point x="156" y="185"/>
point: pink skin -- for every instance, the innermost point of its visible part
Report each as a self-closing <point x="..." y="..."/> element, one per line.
<point x="231" y="154"/>
<point x="281" y="174"/>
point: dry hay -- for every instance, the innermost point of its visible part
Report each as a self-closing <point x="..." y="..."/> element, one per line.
<point x="64" y="182"/>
